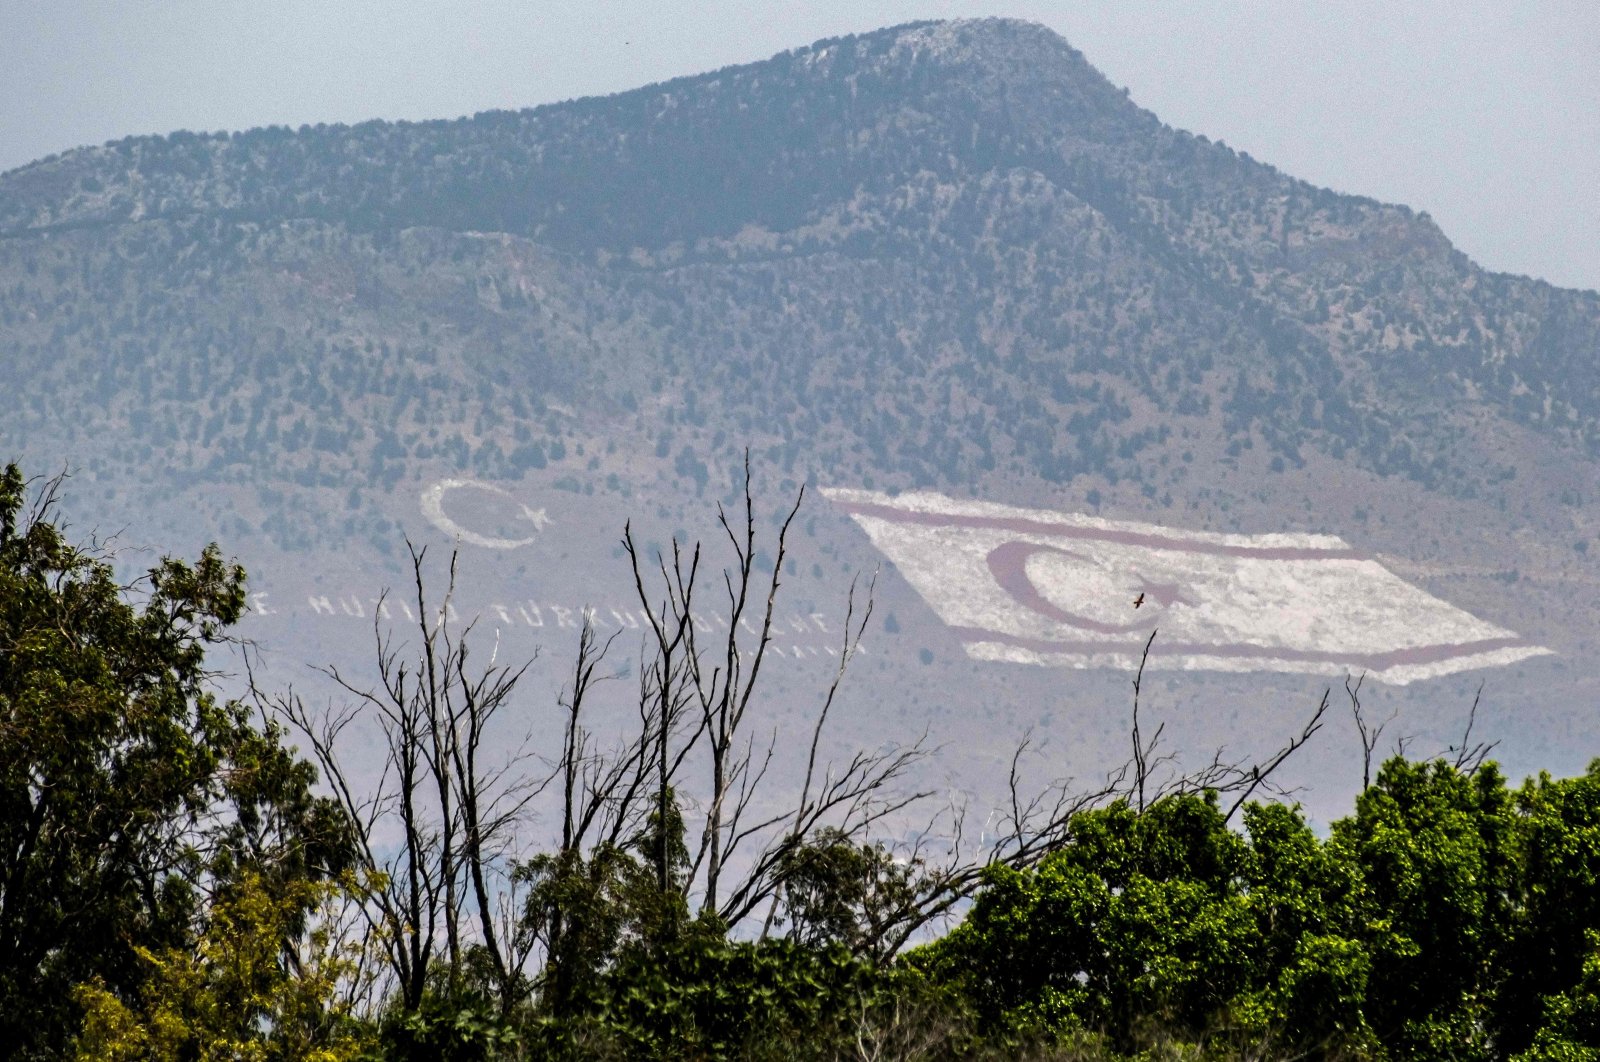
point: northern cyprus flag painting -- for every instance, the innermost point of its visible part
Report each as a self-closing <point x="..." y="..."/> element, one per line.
<point x="1039" y="587"/>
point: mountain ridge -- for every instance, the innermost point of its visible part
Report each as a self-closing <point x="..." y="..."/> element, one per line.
<point x="946" y="147"/>
<point x="950" y="258"/>
<point x="991" y="46"/>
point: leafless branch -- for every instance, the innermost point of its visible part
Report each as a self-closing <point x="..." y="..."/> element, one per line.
<point x="1365" y="729"/>
<point x="1469" y="755"/>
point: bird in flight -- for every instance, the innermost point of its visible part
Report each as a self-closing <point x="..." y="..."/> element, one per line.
<point x="1138" y="600"/>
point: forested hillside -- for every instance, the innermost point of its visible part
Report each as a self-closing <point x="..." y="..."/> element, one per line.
<point x="943" y="254"/>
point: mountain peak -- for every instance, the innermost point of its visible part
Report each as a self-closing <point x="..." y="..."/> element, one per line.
<point x="991" y="40"/>
<point x="981" y="56"/>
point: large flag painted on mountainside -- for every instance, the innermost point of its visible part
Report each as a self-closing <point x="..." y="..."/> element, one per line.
<point x="1039" y="587"/>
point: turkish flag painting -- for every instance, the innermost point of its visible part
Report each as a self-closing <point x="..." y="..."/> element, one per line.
<point x="1063" y="589"/>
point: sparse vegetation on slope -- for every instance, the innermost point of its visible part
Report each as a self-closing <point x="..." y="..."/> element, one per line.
<point x="945" y="254"/>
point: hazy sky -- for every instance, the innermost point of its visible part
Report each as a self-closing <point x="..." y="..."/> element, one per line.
<point x="1485" y="115"/>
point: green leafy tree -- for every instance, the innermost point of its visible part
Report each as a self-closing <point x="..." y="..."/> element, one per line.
<point x="1553" y="946"/>
<point x="233" y="996"/>
<point x="704" y="996"/>
<point x="1168" y="926"/>
<point x="1139" y="921"/>
<point x="1437" y="855"/>
<point x="592" y="908"/>
<point x="836" y="890"/>
<point x="1312" y="967"/>
<point x="1570" y="1026"/>
<point x="1448" y="917"/>
<point x="127" y="790"/>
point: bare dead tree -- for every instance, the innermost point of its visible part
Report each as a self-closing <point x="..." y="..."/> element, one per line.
<point x="1402" y="745"/>
<point x="1241" y="779"/>
<point x="598" y="792"/>
<point x="848" y="800"/>
<point x="399" y="907"/>
<point x="434" y="890"/>
<point x="1368" y="732"/>
<point x="664" y="693"/>
<point x="602" y="799"/>
<point x="1142" y="750"/>
<point x="1246" y="784"/>
<point x="1468" y="754"/>
<point x="436" y="828"/>
<point x="724" y="694"/>
<point x="699" y="693"/>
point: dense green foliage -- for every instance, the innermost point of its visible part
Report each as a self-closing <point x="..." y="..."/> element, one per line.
<point x="130" y="797"/>
<point x="1449" y="917"/>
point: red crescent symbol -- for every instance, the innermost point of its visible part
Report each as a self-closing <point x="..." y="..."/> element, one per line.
<point x="1008" y="563"/>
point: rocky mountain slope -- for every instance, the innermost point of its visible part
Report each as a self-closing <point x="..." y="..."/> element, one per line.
<point x="947" y="256"/>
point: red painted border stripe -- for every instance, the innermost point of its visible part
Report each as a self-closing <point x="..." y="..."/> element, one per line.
<point x="1027" y="526"/>
<point x="1422" y="654"/>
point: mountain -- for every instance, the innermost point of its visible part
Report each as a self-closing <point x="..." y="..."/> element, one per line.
<point x="944" y="256"/>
